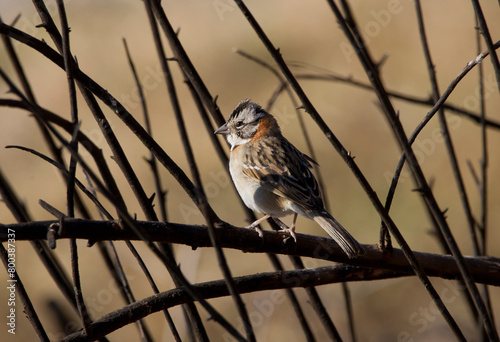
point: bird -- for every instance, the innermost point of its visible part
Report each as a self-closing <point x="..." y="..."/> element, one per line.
<point x="273" y="177"/>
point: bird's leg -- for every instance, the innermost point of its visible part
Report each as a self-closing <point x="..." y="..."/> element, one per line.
<point x="291" y="230"/>
<point x="255" y="225"/>
<point x="284" y="228"/>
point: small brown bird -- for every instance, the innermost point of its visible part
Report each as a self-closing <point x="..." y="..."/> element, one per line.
<point x="273" y="177"/>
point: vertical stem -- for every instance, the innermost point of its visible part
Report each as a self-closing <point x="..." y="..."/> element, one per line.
<point x="159" y="191"/>
<point x="483" y="181"/>
<point x="445" y="131"/>
<point x="68" y="66"/>
<point x="487" y="39"/>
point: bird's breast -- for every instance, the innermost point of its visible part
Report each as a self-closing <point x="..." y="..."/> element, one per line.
<point x="253" y="194"/>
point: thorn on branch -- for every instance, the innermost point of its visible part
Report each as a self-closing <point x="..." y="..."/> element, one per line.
<point x="382" y="60"/>
<point x="418" y="190"/>
<point x="152" y="198"/>
<point x="444" y="212"/>
<point x="14" y="22"/>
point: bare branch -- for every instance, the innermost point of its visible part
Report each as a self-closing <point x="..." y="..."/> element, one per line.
<point x="484" y="270"/>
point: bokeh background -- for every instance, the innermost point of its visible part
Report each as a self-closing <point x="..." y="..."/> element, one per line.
<point x="306" y="32"/>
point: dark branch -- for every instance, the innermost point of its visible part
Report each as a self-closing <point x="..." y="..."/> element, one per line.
<point x="483" y="269"/>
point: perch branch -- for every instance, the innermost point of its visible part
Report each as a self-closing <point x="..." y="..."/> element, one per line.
<point x="484" y="269"/>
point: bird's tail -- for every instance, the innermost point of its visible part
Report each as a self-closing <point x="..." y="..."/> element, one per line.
<point x="345" y="240"/>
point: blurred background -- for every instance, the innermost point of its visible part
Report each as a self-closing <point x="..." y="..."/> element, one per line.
<point x="305" y="32"/>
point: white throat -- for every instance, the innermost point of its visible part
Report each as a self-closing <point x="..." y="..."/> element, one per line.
<point x="234" y="141"/>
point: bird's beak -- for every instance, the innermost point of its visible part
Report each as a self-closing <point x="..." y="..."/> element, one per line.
<point x="222" y="129"/>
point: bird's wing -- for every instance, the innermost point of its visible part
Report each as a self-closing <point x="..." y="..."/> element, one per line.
<point x="285" y="171"/>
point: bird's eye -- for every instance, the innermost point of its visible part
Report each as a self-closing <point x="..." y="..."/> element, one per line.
<point x="239" y="124"/>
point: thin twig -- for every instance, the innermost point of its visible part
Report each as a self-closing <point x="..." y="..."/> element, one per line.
<point x="487" y="39"/>
<point x="483" y="182"/>
<point x="66" y="52"/>
<point x="186" y="64"/>
<point x="306" y="328"/>
<point x="445" y="131"/>
<point x="348" y="304"/>
<point x="16" y="283"/>
<point x="329" y="76"/>
<point x="449" y="147"/>
<point x="111" y="258"/>
<point x="159" y="191"/>
<point x="18" y="210"/>
<point x="318" y="305"/>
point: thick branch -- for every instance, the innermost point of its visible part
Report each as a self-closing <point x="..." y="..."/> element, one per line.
<point x="483" y="270"/>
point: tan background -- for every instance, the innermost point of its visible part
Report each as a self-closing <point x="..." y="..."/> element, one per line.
<point x="305" y="32"/>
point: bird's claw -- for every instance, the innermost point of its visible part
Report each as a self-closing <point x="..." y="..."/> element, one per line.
<point x="290" y="231"/>
<point x="257" y="229"/>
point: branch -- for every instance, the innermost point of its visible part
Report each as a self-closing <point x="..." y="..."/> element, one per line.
<point x="483" y="269"/>
<point x="215" y="289"/>
<point x="487" y="39"/>
<point x="329" y="76"/>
